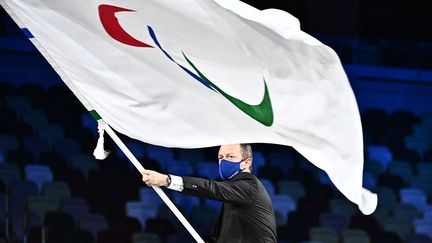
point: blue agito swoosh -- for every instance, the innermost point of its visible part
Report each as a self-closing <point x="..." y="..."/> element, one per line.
<point x="262" y="112"/>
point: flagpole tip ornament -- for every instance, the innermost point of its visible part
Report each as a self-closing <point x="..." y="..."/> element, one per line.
<point x="99" y="152"/>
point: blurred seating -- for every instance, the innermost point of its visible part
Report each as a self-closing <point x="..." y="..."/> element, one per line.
<point x="40" y="205"/>
<point x="380" y="154"/>
<point x="84" y="163"/>
<point x="400" y="227"/>
<point x="94" y="224"/>
<point x="77" y="208"/>
<point x="180" y="168"/>
<point x="343" y="207"/>
<point x="36" y="145"/>
<point x="268" y="185"/>
<point x="149" y="198"/>
<point x="258" y="160"/>
<point x="192" y="155"/>
<point x="414" y="197"/>
<point x="402" y="169"/>
<point x="283" y="204"/>
<point x="207" y="170"/>
<point x="160" y="154"/>
<point x="9" y="174"/>
<point x="8" y="143"/>
<point x="145" y="238"/>
<point x="325" y="235"/>
<point x="355" y="236"/>
<point x="39" y="174"/>
<point x="423" y="183"/>
<point x="424" y="170"/>
<point x="56" y="190"/>
<point x="187" y="202"/>
<point x="292" y="188"/>
<point x="138" y="211"/>
<point x="51" y="133"/>
<point x="423" y="226"/>
<point x="333" y="221"/>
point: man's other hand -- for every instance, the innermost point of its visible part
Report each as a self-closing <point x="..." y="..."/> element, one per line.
<point x="153" y="178"/>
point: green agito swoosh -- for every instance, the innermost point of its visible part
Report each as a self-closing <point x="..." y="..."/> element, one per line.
<point x="262" y="112"/>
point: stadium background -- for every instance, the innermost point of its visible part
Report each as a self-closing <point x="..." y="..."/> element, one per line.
<point x="52" y="189"/>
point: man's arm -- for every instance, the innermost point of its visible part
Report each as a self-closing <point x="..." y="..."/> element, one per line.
<point x="236" y="191"/>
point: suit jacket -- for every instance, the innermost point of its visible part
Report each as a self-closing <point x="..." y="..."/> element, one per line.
<point x="247" y="214"/>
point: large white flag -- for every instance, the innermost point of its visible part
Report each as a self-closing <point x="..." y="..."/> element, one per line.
<point x="198" y="73"/>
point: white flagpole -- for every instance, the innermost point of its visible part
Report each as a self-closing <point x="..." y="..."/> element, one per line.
<point x="159" y="191"/>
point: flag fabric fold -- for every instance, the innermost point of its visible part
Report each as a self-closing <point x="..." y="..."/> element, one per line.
<point x="197" y="73"/>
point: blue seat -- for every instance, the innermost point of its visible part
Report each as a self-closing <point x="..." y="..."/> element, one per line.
<point x="373" y="167"/>
<point x="137" y="149"/>
<point x="282" y="160"/>
<point x="51" y="133"/>
<point x="76" y="207"/>
<point x="321" y="234"/>
<point x="187" y="202"/>
<point x="417" y="144"/>
<point x="181" y="168"/>
<point x="85" y="163"/>
<point x="66" y="147"/>
<point x="414" y="197"/>
<point x="380" y="154"/>
<point x="268" y="185"/>
<point x="369" y="180"/>
<point x="423" y="226"/>
<point x="8" y="143"/>
<point x="36" y="145"/>
<point x="40" y="205"/>
<point x="428" y="213"/>
<point x="405" y="212"/>
<point x="333" y="221"/>
<point x="283" y="204"/>
<point x="22" y="190"/>
<point x="208" y="170"/>
<point x="94" y="224"/>
<point x="402" y="169"/>
<point x="150" y="199"/>
<point x="18" y="223"/>
<point x="39" y="174"/>
<point x="424" y="170"/>
<point x="423" y="183"/>
<point x="294" y="189"/>
<point x="140" y="212"/>
<point x="35" y="118"/>
<point x="56" y="190"/>
<point x="343" y="207"/>
<point x="87" y="121"/>
<point x="192" y="155"/>
<point x="258" y="160"/>
<point x="20" y="104"/>
<point x="9" y="174"/>
<point x="161" y="154"/>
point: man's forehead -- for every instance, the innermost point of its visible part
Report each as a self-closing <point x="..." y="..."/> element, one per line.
<point x="229" y="148"/>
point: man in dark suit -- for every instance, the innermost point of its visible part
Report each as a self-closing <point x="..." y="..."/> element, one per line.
<point x="247" y="214"/>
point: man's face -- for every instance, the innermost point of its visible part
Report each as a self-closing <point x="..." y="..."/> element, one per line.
<point x="230" y="152"/>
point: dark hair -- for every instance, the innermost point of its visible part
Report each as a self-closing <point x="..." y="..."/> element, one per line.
<point x="246" y="152"/>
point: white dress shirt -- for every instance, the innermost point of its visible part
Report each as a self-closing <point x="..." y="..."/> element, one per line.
<point x="176" y="183"/>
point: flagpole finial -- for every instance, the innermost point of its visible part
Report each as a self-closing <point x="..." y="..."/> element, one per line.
<point x="99" y="152"/>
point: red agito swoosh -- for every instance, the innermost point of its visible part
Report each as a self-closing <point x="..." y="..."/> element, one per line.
<point x="113" y="27"/>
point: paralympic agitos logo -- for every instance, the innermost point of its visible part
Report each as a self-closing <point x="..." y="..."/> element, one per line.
<point x="262" y="112"/>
